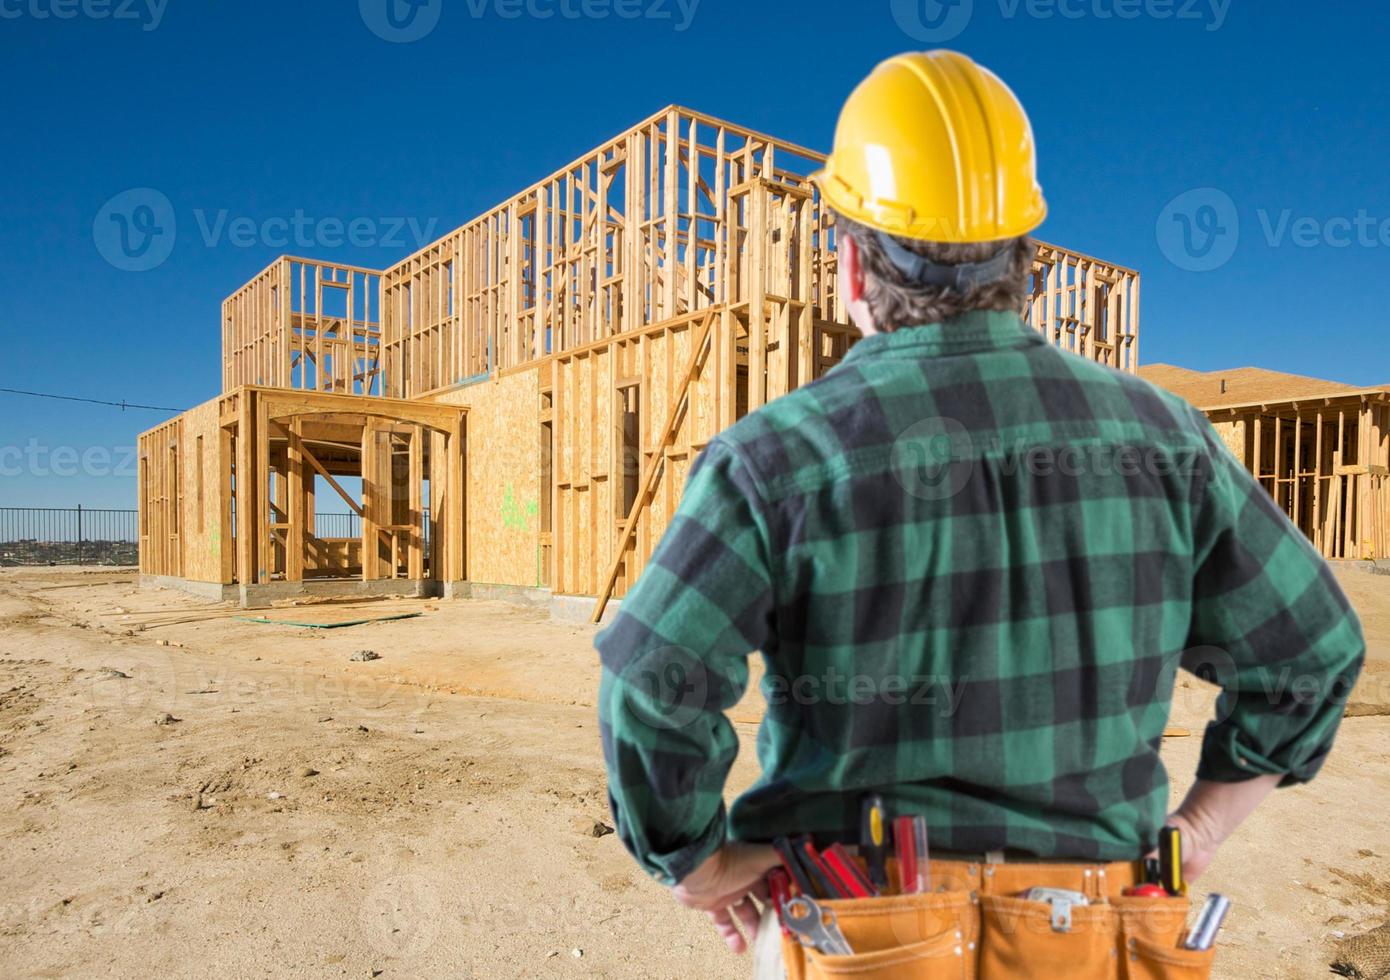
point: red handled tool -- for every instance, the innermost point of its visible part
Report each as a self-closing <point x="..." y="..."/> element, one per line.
<point x="779" y="890"/>
<point x="816" y="868"/>
<point x="910" y="840"/>
<point x="855" y="882"/>
<point x="792" y="865"/>
<point x="1146" y="890"/>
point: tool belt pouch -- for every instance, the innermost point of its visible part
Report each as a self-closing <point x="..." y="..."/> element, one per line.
<point x="966" y="935"/>
<point x="900" y="936"/>
<point x="1151" y="931"/>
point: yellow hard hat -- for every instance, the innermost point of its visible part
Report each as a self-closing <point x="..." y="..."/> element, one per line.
<point x="933" y="146"/>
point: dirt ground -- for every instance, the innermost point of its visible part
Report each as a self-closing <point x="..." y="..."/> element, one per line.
<point x="431" y="813"/>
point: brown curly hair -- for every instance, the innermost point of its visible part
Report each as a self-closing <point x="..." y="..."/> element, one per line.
<point x="897" y="302"/>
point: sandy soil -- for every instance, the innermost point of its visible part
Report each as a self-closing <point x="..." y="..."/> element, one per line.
<point x="431" y="813"/>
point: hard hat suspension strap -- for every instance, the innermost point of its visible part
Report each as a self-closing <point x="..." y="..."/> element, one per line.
<point x="924" y="272"/>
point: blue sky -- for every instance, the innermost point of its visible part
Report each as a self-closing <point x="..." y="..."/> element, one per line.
<point x="1273" y="111"/>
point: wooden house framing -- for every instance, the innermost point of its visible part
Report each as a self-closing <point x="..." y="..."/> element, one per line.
<point x="523" y="397"/>
<point x="1321" y="449"/>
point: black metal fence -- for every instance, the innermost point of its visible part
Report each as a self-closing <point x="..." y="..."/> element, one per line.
<point x="83" y="536"/>
<point x="337" y="525"/>
<point x="69" y="536"/>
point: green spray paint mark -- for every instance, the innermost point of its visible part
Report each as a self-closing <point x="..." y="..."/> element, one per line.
<point x="515" y="514"/>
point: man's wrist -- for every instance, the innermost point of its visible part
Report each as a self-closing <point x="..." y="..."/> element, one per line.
<point x="1199" y="831"/>
<point x="1213" y="810"/>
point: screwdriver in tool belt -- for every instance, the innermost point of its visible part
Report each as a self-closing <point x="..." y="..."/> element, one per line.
<point x="1209" y="920"/>
<point x="844" y="869"/>
<point x="816" y="867"/>
<point x="793" y="866"/>
<point x="1170" y="861"/>
<point x="910" y="842"/>
<point x="873" y="839"/>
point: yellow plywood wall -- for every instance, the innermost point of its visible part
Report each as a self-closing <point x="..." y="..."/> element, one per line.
<point x="503" y="474"/>
<point x="1233" y="435"/>
<point x="200" y="473"/>
<point x="158" y="498"/>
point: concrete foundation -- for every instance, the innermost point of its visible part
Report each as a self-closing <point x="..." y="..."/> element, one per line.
<point x="260" y="595"/>
<point x="1362" y="565"/>
<point x="454" y="590"/>
<point x="517" y="594"/>
<point x="574" y="609"/>
<point x="211" y="591"/>
<point x="579" y="609"/>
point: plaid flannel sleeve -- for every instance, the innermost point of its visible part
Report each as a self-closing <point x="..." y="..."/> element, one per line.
<point x="1271" y="626"/>
<point x="676" y="659"/>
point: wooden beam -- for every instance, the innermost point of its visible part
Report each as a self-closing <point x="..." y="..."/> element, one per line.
<point x="439" y="477"/>
<point x="415" y="547"/>
<point x="456" y="550"/>
<point x="246" y="490"/>
<point x="295" y="538"/>
<point x="371" y="501"/>
<point x="260" y="499"/>
<point x="1319" y="538"/>
<point x="698" y="350"/>
<point x="1298" y="472"/>
<point x="226" y="543"/>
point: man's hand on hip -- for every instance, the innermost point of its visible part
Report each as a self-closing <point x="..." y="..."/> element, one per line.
<point x="1210" y="813"/>
<point x="726" y="885"/>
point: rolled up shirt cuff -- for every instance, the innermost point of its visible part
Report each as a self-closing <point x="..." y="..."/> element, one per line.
<point x="1227" y="758"/>
<point x="671" y="867"/>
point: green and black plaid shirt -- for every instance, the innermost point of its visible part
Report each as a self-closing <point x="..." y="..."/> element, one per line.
<point x="972" y="564"/>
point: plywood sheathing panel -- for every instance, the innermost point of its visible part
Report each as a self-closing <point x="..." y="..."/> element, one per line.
<point x="504" y="488"/>
<point x="159" y="499"/>
<point x="202" y="534"/>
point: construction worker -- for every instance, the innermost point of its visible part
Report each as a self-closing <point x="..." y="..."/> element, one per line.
<point x="971" y="562"/>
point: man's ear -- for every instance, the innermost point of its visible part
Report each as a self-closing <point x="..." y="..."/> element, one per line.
<point x="854" y="272"/>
